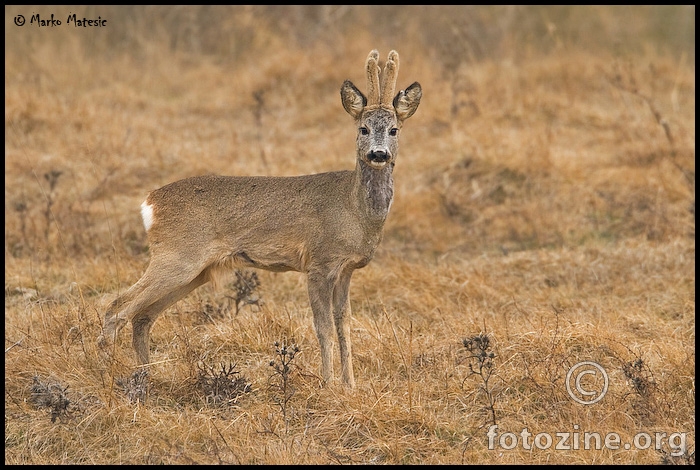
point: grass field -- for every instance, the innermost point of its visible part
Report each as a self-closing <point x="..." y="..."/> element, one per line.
<point x="544" y="216"/>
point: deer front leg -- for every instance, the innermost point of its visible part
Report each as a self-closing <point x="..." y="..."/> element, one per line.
<point x="341" y="315"/>
<point x="320" y="298"/>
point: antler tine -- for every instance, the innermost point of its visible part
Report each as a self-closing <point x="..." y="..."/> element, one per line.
<point x="390" y="73"/>
<point x="373" y="78"/>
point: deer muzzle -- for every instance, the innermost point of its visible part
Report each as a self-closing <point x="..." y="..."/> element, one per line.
<point x="378" y="158"/>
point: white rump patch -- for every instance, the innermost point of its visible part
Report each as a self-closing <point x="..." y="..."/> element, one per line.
<point x="147" y="215"/>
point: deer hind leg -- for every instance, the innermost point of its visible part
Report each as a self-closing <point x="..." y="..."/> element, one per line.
<point x="341" y="317"/>
<point x="320" y="298"/>
<point x="164" y="282"/>
<point x="113" y="323"/>
<point x="143" y="321"/>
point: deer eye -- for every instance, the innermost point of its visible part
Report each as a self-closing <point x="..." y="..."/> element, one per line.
<point x="364" y="130"/>
<point x="393" y="131"/>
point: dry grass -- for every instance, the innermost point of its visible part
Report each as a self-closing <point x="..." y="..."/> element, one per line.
<point x="545" y="200"/>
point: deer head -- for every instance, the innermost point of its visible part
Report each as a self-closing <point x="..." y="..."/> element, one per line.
<point x="379" y="117"/>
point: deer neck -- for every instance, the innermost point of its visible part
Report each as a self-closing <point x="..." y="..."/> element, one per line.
<point x="374" y="191"/>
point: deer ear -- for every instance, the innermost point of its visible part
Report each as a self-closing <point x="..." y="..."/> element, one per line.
<point x="353" y="99"/>
<point x="406" y="101"/>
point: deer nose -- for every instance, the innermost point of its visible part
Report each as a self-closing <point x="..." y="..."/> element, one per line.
<point x="378" y="156"/>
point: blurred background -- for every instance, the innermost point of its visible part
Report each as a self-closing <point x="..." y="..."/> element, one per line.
<point x="446" y="35"/>
<point x="520" y="104"/>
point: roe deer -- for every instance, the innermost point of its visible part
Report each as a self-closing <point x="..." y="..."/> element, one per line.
<point x="325" y="225"/>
